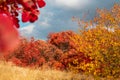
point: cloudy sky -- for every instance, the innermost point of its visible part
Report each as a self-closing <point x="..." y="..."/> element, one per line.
<point x="56" y="16"/>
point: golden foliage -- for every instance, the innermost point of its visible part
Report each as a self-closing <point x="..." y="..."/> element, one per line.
<point x="108" y="18"/>
<point x="101" y="43"/>
<point x="103" y="48"/>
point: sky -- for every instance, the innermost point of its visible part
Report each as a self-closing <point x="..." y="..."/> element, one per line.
<point x="57" y="16"/>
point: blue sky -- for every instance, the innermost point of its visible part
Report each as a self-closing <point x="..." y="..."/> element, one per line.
<point x="56" y="16"/>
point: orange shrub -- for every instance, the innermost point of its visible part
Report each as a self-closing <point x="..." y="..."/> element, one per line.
<point x="62" y="40"/>
<point x="36" y="54"/>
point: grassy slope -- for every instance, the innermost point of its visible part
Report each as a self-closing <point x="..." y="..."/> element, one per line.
<point x="11" y="72"/>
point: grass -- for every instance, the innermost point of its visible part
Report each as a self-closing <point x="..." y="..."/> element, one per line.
<point x="11" y="72"/>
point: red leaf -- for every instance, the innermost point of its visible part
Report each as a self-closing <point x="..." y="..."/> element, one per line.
<point x="25" y="16"/>
<point x="8" y="34"/>
<point x="41" y="3"/>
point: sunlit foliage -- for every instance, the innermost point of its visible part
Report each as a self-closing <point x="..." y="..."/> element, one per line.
<point x="101" y="43"/>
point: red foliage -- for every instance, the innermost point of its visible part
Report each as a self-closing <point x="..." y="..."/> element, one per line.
<point x="9" y="21"/>
<point x="41" y="3"/>
<point x="36" y="53"/>
<point x="62" y="40"/>
<point x="13" y="7"/>
<point x="57" y="53"/>
<point x="68" y="60"/>
<point x="9" y="37"/>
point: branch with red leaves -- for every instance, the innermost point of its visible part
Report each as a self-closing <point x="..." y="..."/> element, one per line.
<point x="28" y="9"/>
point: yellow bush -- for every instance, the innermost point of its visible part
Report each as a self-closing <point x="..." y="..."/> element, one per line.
<point x="101" y="43"/>
<point x="103" y="47"/>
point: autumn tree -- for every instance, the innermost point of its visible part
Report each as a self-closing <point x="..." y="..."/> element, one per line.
<point x="101" y="43"/>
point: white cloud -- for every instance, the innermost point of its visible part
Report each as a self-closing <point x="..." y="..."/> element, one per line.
<point x="44" y="23"/>
<point x="45" y="18"/>
<point x="74" y="4"/>
<point x="26" y="31"/>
